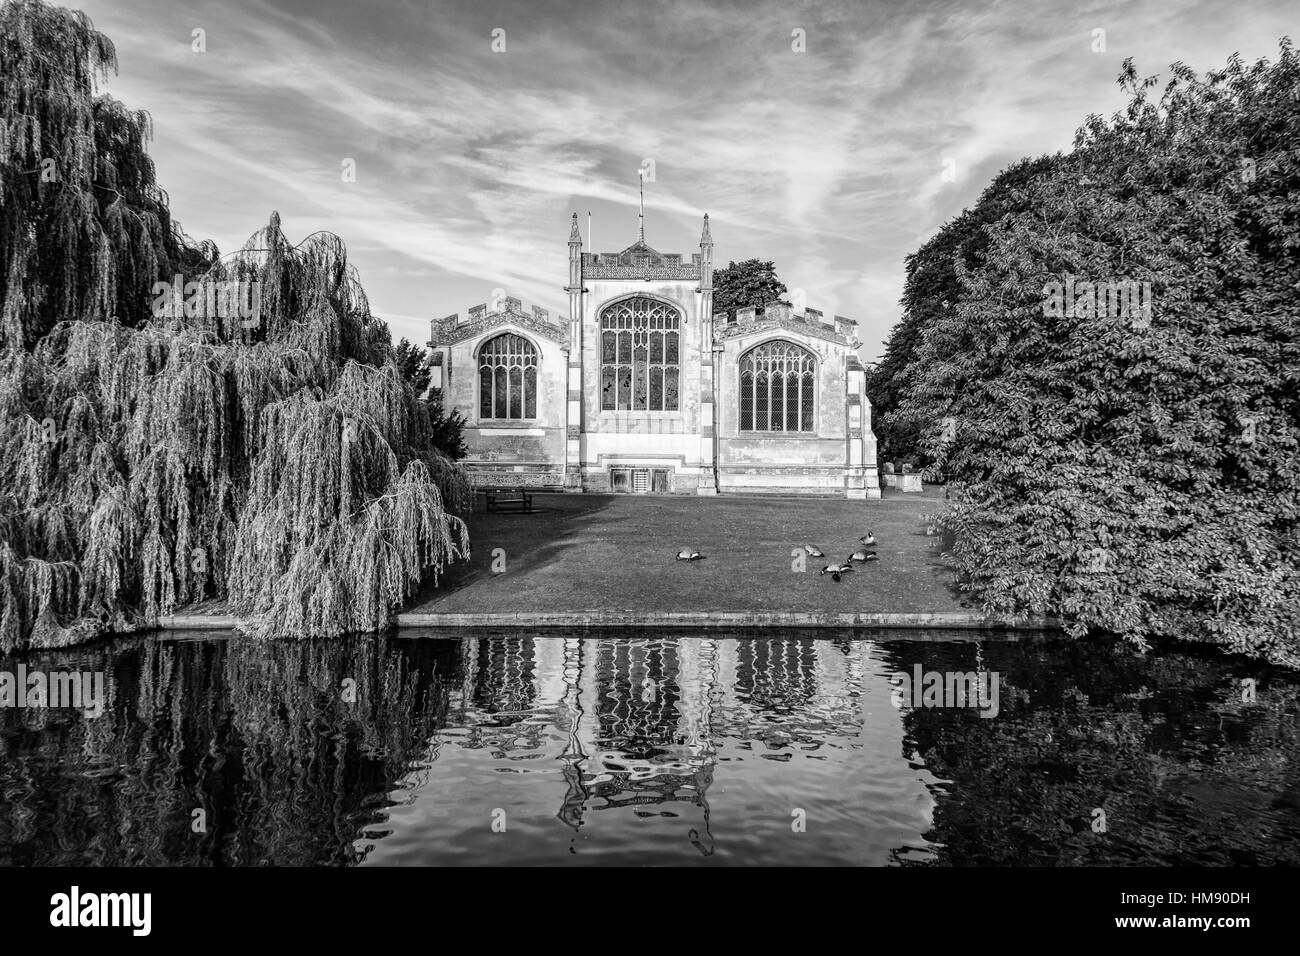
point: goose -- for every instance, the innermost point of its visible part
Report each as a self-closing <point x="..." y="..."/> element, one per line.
<point x="813" y="552"/>
<point x="689" y="556"/>
<point x="863" y="556"/>
<point x="835" y="570"/>
<point x="868" y="538"/>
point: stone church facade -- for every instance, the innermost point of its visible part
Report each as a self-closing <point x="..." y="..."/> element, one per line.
<point x="642" y="389"/>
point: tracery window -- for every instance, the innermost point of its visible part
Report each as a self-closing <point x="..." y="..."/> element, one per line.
<point x="778" y="383"/>
<point x="507" y="378"/>
<point x="639" y="356"/>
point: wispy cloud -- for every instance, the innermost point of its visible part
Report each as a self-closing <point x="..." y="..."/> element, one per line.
<point x="469" y="162"/>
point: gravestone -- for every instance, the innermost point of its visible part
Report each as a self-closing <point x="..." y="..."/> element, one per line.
<point x="908" y="480"/>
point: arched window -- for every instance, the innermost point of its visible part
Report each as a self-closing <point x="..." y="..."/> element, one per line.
<point x="507" y="378"/>
<point x="778" y="382"/>
<point x="639" y="356"/>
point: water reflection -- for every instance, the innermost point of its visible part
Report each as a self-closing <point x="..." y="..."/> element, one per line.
<point x="523" y="748"/>
<point x="620" y="740"/>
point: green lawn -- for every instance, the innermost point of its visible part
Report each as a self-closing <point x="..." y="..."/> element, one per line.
<point x="616" y="552"/>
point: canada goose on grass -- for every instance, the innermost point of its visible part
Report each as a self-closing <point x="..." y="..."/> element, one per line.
<point x="863" y="556"/>
<point x="689" y="556"/>
<point x="813" y="552"/>
<point x="868" y="538"/>
<point x="835" y="570"/>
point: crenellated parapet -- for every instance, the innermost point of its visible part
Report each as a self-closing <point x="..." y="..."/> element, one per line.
<point x="479" y="319"/>
<point x="640" y="261"/>
<point x="778" y="316"/>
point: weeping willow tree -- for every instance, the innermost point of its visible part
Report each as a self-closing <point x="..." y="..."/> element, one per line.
<point x="156" y="451"/>
<point x="288" y="771"/>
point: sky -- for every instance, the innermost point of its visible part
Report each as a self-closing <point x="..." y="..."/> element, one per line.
<point x="830" y="137"/>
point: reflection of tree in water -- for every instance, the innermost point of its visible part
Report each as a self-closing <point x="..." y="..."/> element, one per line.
<point x="262" y="737"/>
<point x="1185" y="772"/>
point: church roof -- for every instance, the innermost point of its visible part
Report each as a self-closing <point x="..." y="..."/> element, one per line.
<point x="640" y="248"/>
<point x="641" y="260"/>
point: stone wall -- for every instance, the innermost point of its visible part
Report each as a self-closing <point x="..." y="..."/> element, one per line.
<point x="642" y="438"/>
<point x="832" y="459"/>
<point x="507" y="452"/>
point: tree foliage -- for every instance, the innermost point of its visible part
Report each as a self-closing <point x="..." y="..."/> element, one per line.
<point x="151" y="458"/>
<point x="742" y="284"/>
<point x="447" y="429"/>
<point x="83" y="224"/>
<point x="413" y="364"/>
<point x="1134" y="476"/>
<point x="932" y="287"/>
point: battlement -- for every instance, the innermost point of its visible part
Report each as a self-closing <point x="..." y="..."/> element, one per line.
<point x="640" y="261"/>
<point x="672" y="260"/>
<point x="506" y="309"/>
<point x="777" y="313"/>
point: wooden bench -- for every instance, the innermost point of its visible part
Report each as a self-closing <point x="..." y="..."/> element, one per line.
<point x="507" y="499"/>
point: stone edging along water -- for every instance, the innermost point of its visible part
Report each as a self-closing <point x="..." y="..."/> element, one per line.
<point x="654" y="619"/>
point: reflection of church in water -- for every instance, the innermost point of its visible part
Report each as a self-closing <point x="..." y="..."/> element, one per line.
<point x="639" y="722"/>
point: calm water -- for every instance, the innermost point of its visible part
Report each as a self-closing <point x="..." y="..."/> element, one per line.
<point x="538" y="749"/>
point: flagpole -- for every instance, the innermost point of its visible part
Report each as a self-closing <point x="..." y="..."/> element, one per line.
<point x="640" y="219"/>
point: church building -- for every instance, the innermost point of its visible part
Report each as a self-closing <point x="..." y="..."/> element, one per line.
<point x="641" y="388"/>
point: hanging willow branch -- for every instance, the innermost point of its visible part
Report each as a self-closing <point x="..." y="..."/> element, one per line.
<point x="168" y="464"/>
<point x="153" y="456"/>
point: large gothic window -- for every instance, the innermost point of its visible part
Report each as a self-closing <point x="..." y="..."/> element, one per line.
<point x="507" y="378"/>
<point x="778" y="382"/>
<point x="639" y="356"/>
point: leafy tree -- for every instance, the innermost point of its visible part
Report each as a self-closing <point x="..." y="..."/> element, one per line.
<point x="413" y="363"/>
<point x="446" y="429"/>
<point x="1137" y="473"/>
<point x="83" y="224"/>
<point x="151" y="459"/>
<point x="932" y="287"/>
<point x="742" y="284"/>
